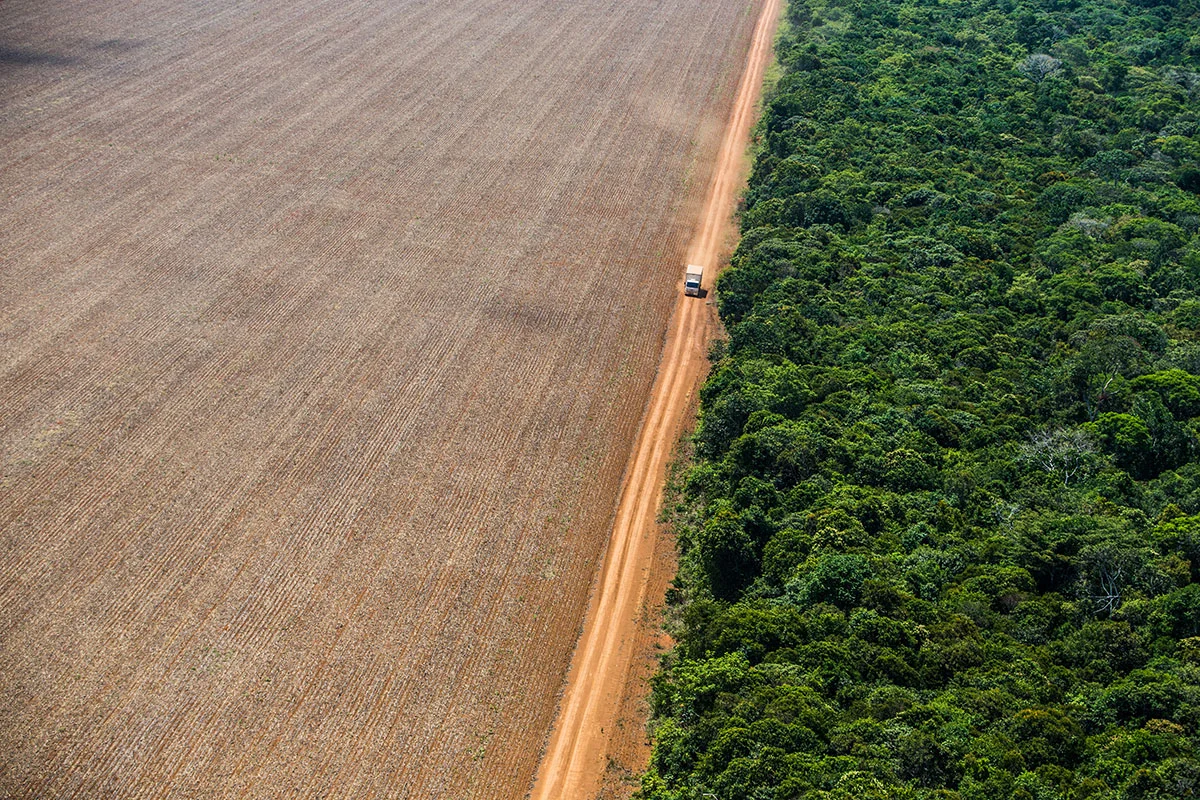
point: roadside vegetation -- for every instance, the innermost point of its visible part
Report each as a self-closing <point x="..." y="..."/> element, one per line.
<point x="941" y="538"/>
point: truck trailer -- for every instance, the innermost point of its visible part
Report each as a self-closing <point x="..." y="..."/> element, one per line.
<point x="691" y="280"/>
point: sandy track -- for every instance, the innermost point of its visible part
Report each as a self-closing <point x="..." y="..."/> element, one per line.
<point x="325" y="333"/>
<point x="577" y="755"/>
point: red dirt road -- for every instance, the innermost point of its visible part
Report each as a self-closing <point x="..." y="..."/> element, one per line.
<point x="326" y="329"/>
<point x="576" y="759"/>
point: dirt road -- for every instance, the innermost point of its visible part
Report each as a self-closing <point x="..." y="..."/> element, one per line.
<point x="326" y="329"/>
<point x="577" y="755"/>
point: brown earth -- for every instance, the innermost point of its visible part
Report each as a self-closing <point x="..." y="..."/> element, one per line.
<point x="326" y="329"/>
<point x="596" y="742"/>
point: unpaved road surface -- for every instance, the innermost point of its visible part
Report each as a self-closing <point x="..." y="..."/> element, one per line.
<point x="326" y="329"/>
<point x="582" y="742"/>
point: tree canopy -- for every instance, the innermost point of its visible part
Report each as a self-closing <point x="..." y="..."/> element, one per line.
<point x="941" y="534"/>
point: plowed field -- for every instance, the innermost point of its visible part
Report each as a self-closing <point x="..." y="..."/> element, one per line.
<point x="325" y="332"/>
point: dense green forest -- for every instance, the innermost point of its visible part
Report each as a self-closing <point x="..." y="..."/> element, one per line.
<point x="941" y="534"/>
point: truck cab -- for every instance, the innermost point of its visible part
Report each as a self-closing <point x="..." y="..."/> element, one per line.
<point x="691" y="280"/>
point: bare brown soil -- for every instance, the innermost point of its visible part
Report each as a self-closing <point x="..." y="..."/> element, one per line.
<point x="326" y="329"/>
<point x="591" y="747"/>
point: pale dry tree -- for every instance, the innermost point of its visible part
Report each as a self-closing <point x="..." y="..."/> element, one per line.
<point x="1108" y="598"/>
<point x="1006" y="512"/>
<point x="1104" y="572"/>
<point x="1039" y="66"/>
<point x="1066" y="453"/>
<point x="1087" y="225"/>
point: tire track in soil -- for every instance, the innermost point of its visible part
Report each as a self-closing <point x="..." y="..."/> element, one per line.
<point x="574" y="764"/>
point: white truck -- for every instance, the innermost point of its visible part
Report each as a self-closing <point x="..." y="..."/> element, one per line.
<point x="691" y="280"/>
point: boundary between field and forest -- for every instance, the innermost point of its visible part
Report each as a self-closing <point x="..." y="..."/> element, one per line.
<point x="574" y="764"/>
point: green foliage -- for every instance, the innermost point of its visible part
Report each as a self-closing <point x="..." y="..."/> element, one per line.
<point x="942" y="536"/>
